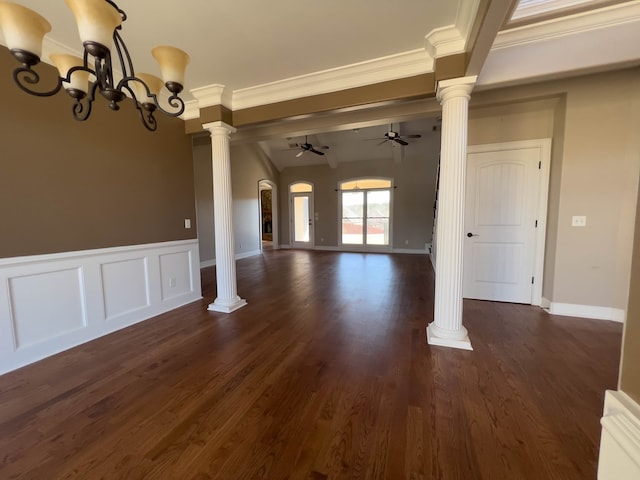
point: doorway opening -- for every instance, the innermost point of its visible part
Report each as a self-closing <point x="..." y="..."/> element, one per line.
<point x="268" y="200"/>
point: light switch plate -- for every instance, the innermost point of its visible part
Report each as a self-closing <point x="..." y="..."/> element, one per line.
<point x="187" y="223"/>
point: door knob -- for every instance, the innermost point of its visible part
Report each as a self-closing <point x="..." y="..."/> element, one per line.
<point x="472" y="235"/>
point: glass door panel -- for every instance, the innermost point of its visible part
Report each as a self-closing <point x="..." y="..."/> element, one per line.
<point x="302" y="220"/>
<point x="353" y="218"/>
<point x="378" y="217"/>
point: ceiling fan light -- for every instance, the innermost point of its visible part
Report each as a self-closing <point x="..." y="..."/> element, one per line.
<point x="154" y="83"/>
<point x="173" y="64"/>
<point x="79" y="79"/>
<point x="96" y="19"/>
<point x="23" y="28"/>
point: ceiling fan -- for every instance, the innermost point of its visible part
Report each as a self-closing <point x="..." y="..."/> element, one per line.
<point x="307" y="147"/>
<point x="393" y="136"/>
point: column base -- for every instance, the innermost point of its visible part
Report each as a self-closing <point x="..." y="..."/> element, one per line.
<point x="435" y="337"/>
<point x="226" y="306"/>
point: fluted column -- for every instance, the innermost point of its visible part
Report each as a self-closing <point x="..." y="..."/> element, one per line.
<point x="227" y="299"/>
<point x="447" y="329"/>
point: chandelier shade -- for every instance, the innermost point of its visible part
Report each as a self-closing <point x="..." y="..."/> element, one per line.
<point x="105" y="68"/>
<point x="173" y="63"/>
<point x="152" y="82"/>
<point x="23" y="28"/>
<point x="96" y="19"/>
<point x="78" y="79"/>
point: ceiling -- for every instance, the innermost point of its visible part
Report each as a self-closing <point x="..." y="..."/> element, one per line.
<point x="255" y="51"/>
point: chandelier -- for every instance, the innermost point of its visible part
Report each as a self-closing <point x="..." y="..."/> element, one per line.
<point x="99" y="22"/>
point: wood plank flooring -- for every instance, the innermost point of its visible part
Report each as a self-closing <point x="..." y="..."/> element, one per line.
<point x="324" y="375"/>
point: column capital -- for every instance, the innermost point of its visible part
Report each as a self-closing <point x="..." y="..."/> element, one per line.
<point x="455" y="88"/>
<point x="219" y="128"/>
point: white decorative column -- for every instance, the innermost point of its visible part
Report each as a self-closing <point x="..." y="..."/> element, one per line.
<point x="446" y="328"/>
<point x="227" y="300"/>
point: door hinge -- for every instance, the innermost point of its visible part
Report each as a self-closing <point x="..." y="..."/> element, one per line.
<point x="531" y="280"/>
<point x="536" y="223"/>
<point x="540" y="165"/>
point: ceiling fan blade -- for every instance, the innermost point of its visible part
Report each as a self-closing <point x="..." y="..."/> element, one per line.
<point x="382" y="142"/>
<point x="300" y="153"/>
<point x="413" y="136"/>
<point x="316" y="151"/>
<point x="400" y="141"/>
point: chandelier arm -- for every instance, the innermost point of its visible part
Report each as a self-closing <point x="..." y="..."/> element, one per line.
<point x="25" y="76"/>
<point x="147" y="117"/>
<point x="175" y="101"/>
<point x="144" y="109"/>
<point x="82" y="107"/>
<point x="123" y="54"/>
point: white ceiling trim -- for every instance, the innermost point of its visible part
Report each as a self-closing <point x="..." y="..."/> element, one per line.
<point x="191" y="110"/>
<point x="440" y="42"/>
<point x="444" y="41"/>
<point x="212" y="95"/>
<point x="587" y="42"/>
<point x="582" y="22"/>
<point x="453" y="39"/>
<point x="383" y="69"/>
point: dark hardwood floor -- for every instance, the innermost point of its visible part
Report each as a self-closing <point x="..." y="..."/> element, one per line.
<point x="324" y="375"/>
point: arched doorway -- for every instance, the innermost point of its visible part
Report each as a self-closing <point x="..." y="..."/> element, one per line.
<point x="268" y="210"/>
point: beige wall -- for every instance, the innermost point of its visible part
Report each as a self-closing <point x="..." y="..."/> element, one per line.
<point x="600" y="180"/>
<point x="69" y="185"/>
<point x="413" y="198"/>
<point x="594" y="172"/>
<point x="249" y="165"/>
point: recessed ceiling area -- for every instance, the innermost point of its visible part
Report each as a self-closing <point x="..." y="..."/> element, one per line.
<point x="357" y="144"/>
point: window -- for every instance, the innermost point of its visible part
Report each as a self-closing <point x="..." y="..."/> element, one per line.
<point x="366" y="211"/>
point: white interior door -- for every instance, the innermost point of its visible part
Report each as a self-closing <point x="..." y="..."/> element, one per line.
<point x="302" y="220"/>
<point x="500" y="224"/>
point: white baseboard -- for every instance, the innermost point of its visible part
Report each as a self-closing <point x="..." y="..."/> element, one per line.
<point x="50" y="303"/>
<point x="252" y="253"/>
<point x="208" y="263"/>
<point x="587" y="311"/>
<point x="620" y="440"/>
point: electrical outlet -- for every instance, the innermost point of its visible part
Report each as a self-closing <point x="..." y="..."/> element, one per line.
<point x="187" y="223"/>
<point x="579" y="221"/>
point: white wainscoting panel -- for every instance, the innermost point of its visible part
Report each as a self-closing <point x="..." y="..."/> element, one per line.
<point x="176" y="274"/>
<point x="126" y="287"/>
<point x="46" y="305"/>
<point x="50" y="303"/>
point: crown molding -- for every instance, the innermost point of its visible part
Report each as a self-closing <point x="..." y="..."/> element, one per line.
<point x="392" y="67"/>
<point x="444" y="41"/>
<point x="606" y="17"/>
<point x="453" y="39"/>
<point x="191" y="110"/>
<point x="215" y="94"/>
